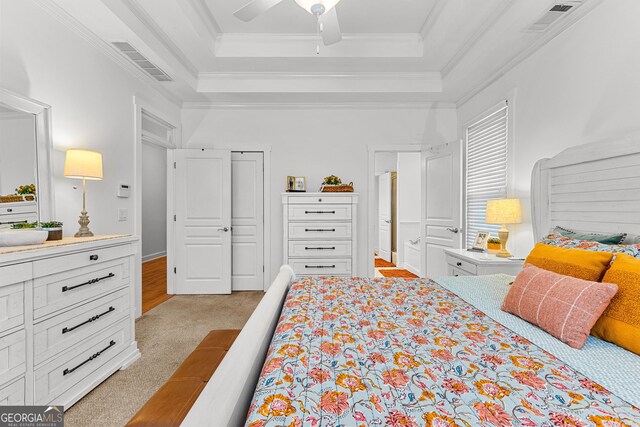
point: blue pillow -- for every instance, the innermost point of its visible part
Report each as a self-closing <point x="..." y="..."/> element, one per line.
<point x="607" y="239"/>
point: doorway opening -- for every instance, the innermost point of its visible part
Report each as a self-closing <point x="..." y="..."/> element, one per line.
<point x="156" y="138"/>
<point x="397" y="209"/>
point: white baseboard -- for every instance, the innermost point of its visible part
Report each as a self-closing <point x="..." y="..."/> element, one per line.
<point x="151" y="257"/>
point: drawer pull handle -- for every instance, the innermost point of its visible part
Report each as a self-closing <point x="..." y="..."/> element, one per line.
<point x="92" y="357"/>
<point x="88" y="282"/>
<point x="93" y="257"/>
<point x="320" y="266"/>
<point x="332" y="248"/>
<point x="14" y="222"/>
<point x="320" y="212"/>
<point x="459" y="264"/>
<point x="92" y="319"/>
<point x="320" y="229"/>
<point x="10" y="210"/>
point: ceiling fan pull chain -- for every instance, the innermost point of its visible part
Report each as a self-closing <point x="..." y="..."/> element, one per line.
<point x="318" y="33"/>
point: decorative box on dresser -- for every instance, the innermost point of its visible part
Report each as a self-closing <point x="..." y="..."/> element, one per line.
<point x="461" y="262"/>
<point x="66" y="318"/>
<point x="18" y="213"/>
<point x="320" y="233"/>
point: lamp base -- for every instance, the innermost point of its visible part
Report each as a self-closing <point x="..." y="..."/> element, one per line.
<point x="84" y="223"/>
<point x="504" y="236"/>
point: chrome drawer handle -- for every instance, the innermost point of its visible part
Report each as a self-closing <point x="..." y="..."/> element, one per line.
<point x="92" y="319"/>
<point x="320" y="229"/>
<point x="320" y="266"/>
<point x="332" y="248"/>
<point x="459" y="264"/>
<point x="88" y="282"/>
<point x="13" y="222"/>
<point x="320" y="212"/>
<point x="93" y="257"/>
<point x="92" y="357"/>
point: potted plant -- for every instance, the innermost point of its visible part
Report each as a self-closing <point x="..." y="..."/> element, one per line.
<point x="54" y="228"/>
<point x="24" y="225"/>
<point x="493" y="245"/>
<point x="28" y="192"/>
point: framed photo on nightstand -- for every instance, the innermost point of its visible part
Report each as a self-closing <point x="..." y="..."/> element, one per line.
<point x="482" y="238"/>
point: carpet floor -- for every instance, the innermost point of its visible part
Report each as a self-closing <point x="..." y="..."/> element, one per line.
<point x="166" y="335"/>
<point x="398" y="273"/>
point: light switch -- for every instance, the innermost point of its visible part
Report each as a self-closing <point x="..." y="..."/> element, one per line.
<point x="123" y="214"/>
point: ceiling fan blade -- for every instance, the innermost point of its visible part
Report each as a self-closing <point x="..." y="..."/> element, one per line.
<point x="255" y="8"/>
<point x="330" y="27"/>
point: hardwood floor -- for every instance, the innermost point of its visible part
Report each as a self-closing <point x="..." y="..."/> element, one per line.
<point x="154" y="283"/>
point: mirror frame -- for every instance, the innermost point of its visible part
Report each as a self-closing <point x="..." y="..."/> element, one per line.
<point x="44" y="148"/>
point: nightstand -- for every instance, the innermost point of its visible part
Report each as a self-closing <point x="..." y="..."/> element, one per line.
<point x="461" y="262"/>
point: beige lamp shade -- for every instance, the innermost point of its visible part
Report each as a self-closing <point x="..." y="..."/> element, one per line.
<point x="83" y="164"/>
<point x="504" y="211"/>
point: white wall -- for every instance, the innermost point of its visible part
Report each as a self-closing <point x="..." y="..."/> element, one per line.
<point x="385" y="162"/>
<point x="581" y="87"/>
<point x="409" y="200"/>
<point x="154" y="201"/>
<point x="17" y="151"/>
<point x="92" y="107"/>
<point x="316" y="142"/>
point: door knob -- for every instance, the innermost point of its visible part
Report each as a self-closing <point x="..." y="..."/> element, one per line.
<point x="454" y="230"/>
<point x="225" y="229"/>
<point x="387" y="221"/>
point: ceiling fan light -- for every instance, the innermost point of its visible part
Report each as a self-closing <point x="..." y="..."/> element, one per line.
<point x="308" y="4"/>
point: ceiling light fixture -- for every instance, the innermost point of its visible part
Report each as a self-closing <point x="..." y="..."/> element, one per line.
<point x="317" y="8"/>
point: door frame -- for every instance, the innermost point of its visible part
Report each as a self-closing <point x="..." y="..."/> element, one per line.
<point x="371" y="198"/>
<point x="141" y="104"/>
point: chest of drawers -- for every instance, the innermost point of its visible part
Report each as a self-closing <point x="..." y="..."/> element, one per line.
<point x="320" y="232"/>
<point x="66" y="318"/>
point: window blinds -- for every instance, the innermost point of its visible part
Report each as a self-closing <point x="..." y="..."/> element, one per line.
<point x="486" y="169"/>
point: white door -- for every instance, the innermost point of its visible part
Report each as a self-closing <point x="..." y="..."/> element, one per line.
<point x="384" y="216"/>
<point x="247" y="221"/>
<point x="441" y="206"/>
<point x="203" y="221"/>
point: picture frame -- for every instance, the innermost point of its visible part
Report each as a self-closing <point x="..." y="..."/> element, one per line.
<point x="296" y="184"/>
<point x="481" y="240"/>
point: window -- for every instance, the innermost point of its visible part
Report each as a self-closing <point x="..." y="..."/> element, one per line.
<point x="486" y="168"/>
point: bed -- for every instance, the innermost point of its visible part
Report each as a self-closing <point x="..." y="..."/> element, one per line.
<point x="436" y="352"/>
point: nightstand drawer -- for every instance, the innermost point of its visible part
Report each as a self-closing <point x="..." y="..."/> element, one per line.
<point x="455" y="272"/>
<point x="463" y="265"/>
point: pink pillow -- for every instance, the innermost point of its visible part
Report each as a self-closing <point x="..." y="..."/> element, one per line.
<point x="564" y="306"/>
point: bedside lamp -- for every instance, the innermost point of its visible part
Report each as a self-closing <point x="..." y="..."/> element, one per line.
<point x="503" y="212"/>
<point x="83" y="164"/>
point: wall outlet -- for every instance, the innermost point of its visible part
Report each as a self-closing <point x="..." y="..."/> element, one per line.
<point x="123" y="214"/>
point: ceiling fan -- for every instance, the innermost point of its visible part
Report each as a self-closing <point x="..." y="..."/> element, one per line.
<point x="323" y="10"/>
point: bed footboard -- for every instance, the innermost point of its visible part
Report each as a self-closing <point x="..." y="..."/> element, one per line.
<point x="227" y="396"/>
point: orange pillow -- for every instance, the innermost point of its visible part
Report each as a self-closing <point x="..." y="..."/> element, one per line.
<point x="620" y="323"/>
<point x="585" y="265"/>
<point x="563" y="306"/>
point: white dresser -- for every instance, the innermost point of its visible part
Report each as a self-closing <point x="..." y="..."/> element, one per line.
<point x="17" y="213"/>
<point x="66" y="318"/>
<point x="320" y="233"/>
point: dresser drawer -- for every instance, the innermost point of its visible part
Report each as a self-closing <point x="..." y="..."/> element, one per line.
<point x="319" y="212"/>
<point x="18" y="208"/>
<point x="321" y="267"/>
<point x="317" y="249"/>
<point x="320" y="199"/>
<point x="319" y="230"/>
<point x="60" y="374"/>
<point x="461" y="264"/>
<point x="13" y="356"/>
<point x="12" y="280"/>
<point x="13" y="394"/>
<point x="66" y="330"/>
<point x="61" y="290"/>
<point x="6" y="221"/>
<point x="83" y="259"/>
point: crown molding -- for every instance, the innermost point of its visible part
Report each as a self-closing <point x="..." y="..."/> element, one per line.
<point x="214" y="105"/>
<point x="302" y="45"/>
<point x="94" y="40"/>
<point x="540" y="42"/>
<point x="432" y="18"/>
<point x="319" y="82"/>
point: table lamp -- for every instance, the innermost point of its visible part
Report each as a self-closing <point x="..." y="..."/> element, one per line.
<point x="86" y="165"/>
<point x="503" y="212"/>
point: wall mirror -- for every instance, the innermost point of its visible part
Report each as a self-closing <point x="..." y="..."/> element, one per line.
<point x="26" y="193"/>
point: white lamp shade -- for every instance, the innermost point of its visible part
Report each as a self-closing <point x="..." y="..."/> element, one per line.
<point x="306" y="4"/>
<point x="83" y="164"/>
<point x="504" y="211"/>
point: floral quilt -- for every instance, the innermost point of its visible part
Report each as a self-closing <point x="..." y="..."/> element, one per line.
<point x="393" y="352"/>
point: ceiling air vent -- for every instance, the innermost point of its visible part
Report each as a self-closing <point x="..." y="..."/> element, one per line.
<point x="556" y="12"/>
<point x="141" y="61"/>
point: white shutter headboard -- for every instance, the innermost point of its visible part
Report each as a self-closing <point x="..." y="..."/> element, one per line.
<point x="592" y="187"/>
